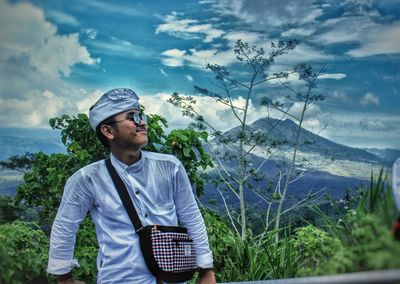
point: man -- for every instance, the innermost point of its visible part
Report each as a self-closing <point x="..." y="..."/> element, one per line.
<point x="157" y="183"/>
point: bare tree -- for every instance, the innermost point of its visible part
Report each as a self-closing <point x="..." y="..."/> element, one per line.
<point x="243" y="141"/>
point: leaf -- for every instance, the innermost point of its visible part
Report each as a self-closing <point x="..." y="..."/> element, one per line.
<point x="186" y="152"/>
<point x="183" y="137"/>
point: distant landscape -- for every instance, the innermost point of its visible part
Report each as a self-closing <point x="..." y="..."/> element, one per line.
<point x="18" y="141"/>
<point x="327" y="166"/>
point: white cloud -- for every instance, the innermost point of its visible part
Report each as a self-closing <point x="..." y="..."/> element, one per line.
<point x="188" y="28"/>
<point x="298" y="32"/>
<point x="63" y="18"/>
<point x="245" y="36"/>
<point x="90" y="33"/>
<point x="83" y="105"/>
<point x="172" y="62"/>
<point x="304" y="53"/>
<point x="34" y="109"/>
<point x="163" y="72"/>
<point x="174" y="52"/>
<point x="27" y="36"/>
<point x="360" y="129"/>
<point x="293" y="78"/>
<point x="48" y="60"/>
<point x="381" y="40"/>
<point x="373" y="38"/>
<point x="345" y="29"/>
<point x="297" y="109"/>
<point x="373" y="124"/>
<point x="34" y="60"/>
<point x="119" y="47"/>
<point x="315" y="124"/>
<point x="112" y="7"/>
<point x="195" y="58"/>
<point x="340" y="95"/>
<point x="200" y="58"/>
<point x="219" y="115"/>
<point x="336" y="76"/>
<point x="189" y="78"/>
<point x="269" y="12"/>
<point x="369" y="99"/>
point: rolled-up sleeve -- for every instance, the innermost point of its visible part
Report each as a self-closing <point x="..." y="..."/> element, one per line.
<point x="190" y="217"/>
<point x="75" y="204"/>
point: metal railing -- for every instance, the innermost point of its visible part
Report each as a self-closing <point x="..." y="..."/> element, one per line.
<point x="376" y="276"/>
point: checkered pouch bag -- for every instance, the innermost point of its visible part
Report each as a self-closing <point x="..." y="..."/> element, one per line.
<point x="169" y="252"/>
<point x="173" y="251"/>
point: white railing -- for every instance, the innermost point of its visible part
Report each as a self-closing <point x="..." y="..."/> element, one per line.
<point x="376" y="276"/>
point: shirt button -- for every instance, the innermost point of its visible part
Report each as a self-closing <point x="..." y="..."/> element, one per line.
<point x="137" y="192"/>
<point x="145" y="215"/>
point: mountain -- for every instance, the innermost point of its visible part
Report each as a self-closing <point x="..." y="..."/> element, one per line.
<point x="325" y="165"/>
<point x="315" y="152"/>
<point x="18" y="141"/>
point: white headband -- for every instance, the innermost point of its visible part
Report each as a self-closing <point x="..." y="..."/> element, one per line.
<point x="112" y="103"/>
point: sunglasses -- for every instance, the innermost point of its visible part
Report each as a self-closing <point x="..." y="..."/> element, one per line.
<point x="136" y="117"/>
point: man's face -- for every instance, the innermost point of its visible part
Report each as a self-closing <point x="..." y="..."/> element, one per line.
<point x="128" y="134"/>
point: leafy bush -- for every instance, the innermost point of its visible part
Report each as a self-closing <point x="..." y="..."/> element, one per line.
<point x="361" y="239"/>
<point x="372" y="244"/>
<point x="8" y="210"/>
<point x="86" y="252"/>
<point x="23" y="252"/>
<point x="221" y="238"/>
<point x="42" y="187"/>
<point x="320" y="253"/>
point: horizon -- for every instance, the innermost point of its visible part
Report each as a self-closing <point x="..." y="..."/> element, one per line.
<point x="58" y="57"/>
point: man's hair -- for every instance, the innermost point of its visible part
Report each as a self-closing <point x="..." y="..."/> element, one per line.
<point x="103" y="139"/>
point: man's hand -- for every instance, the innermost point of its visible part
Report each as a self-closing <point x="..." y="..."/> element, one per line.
<point x="68" y="279"/>
<point x="206" y="276"/>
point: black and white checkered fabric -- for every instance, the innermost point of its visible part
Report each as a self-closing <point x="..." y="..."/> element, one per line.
<point x="174" y="252"/>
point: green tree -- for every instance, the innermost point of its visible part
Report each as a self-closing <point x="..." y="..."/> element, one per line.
<point x="43" y="184"/>
<point x="21" y="163"/>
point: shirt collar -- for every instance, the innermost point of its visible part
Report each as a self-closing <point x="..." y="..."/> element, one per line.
<point x="120" y="166"/>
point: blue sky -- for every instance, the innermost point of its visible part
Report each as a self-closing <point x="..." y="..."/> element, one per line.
<point x="58" y="57"/>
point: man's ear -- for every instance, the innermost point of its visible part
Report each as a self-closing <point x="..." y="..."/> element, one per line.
<point x="107" y="131"/>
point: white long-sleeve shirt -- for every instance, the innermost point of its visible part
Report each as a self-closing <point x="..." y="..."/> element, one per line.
<point x="162" y="194"/>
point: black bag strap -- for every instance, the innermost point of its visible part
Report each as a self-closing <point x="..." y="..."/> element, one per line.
<point x="124" y="195"/>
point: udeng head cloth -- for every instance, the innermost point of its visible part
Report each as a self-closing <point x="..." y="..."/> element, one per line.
<point x="111" y="103"/>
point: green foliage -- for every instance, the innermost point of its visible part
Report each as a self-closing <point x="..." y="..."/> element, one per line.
<point x="258" y="259"/>
<point x="155" y="132"/>
<point x="372" y="243"/>
<point x="378" y="199"/>
<point x="23" y="252"/>
<point x="8" y="210"/>
<point x="362" y="238"/>
<point x="282" y="257"/>
<point x="43" y="185"/>
<point x="316" y="248"/>
<point x="221" y="238"/>
<point x="20" y="163"/>
<point x="187" y="146"/>
<point x="86" y="252"/>
<point x="78" y="136"/>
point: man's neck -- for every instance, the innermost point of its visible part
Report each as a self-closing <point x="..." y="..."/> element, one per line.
<point x="128" y="158"/>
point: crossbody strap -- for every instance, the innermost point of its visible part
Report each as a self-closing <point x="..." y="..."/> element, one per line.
<point x="125" y="197"/>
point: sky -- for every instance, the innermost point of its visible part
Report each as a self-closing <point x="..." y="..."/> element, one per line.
<point x="59" y="57"/>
